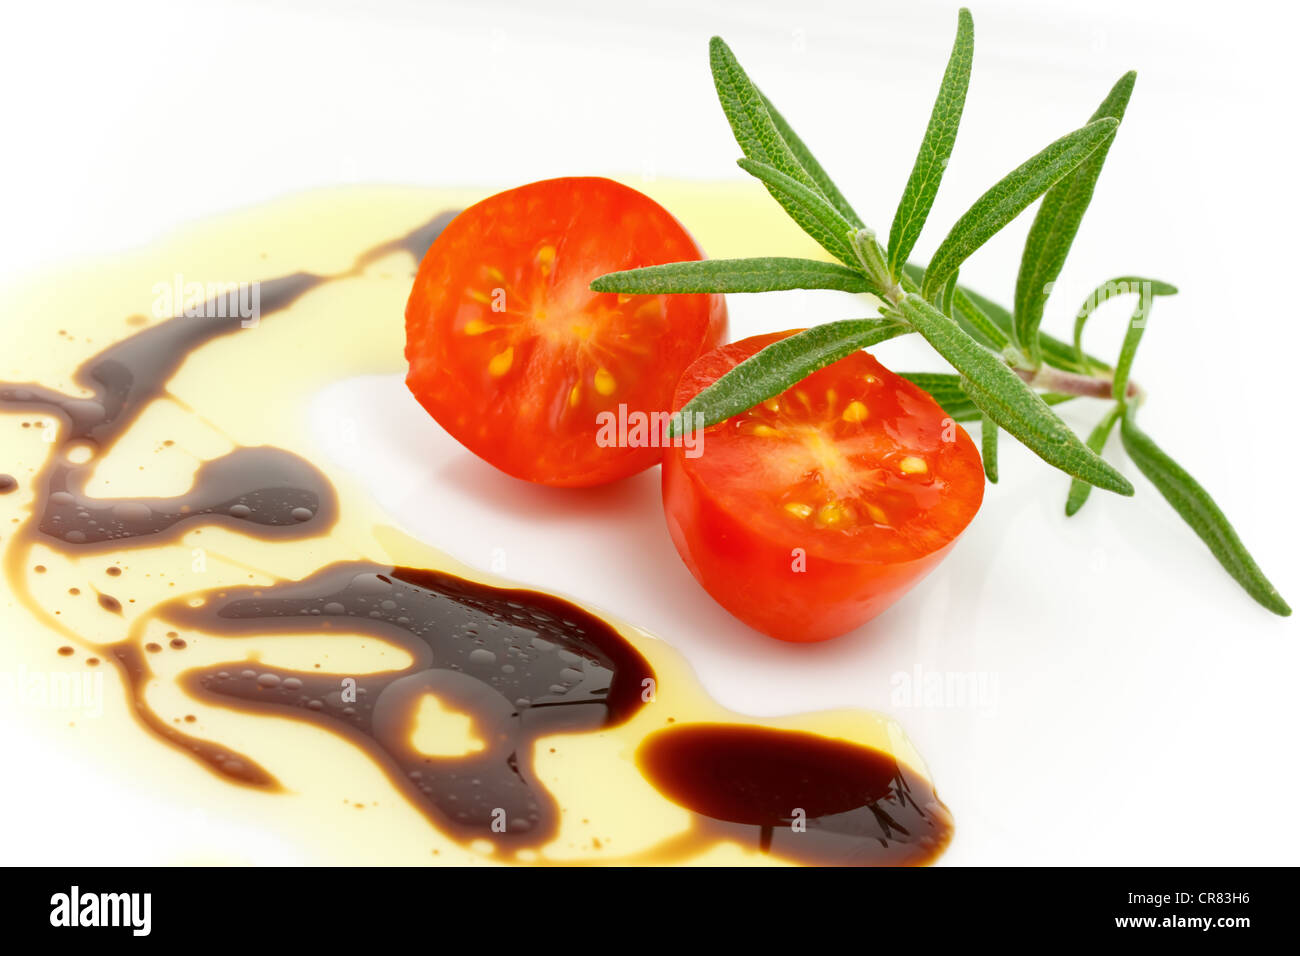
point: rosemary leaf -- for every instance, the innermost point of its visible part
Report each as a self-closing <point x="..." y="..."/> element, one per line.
<point x="972" y="315"/>
<point x="970" y="412"/>
<point x="1123" y="285"/>
<point x="782" y="365"/>
<point x="947" y="294"/>
<point x="989" y="448"/>
<point x="1056" y="225"/>
<point x="1056" y="353"/>
<point x="946" y="389"/>
<point x="1009" y="197"/>
<point x="1137" y="325"/>
<point x="1198" y="509"/>
<point x="735" y="275"/>
<point x="811" y="166"/>
<point x="808" y="208"/>
<point x="1002" y="395"/>
<point x="753" y="126"/>
<point x="1080" y="490"/>
<point x="936" y="147"/>
<point x="978" y="319"/>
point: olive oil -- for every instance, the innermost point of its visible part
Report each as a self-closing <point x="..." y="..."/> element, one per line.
<point x="274" y="647"/>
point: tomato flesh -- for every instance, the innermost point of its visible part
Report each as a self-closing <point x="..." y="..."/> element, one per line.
<point x="813" y="512"/>
<point x="512" y="353"/>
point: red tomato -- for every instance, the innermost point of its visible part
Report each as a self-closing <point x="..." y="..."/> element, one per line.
<point x="517" y="359"/>
<point x="814" y="511"/>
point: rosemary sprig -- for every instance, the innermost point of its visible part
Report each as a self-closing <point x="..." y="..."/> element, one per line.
<point x="1003" y="396"/>
<point x="1008" y="372"/>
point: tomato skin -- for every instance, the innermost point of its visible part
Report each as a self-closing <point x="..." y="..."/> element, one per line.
<point x="750" y="576"/>
<point x="524" y="386"/>
<point x="750" y="570"/>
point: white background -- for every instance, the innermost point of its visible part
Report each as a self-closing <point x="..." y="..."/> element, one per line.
<point x="1143" y="707"/>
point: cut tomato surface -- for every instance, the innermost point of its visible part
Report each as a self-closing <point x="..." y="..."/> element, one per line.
<point x="811" y="513"/>
<point x="514" y="356"/>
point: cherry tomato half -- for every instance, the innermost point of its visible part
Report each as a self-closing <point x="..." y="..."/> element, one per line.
<point x="517" y="359"/>
<point x="814" y="511"/>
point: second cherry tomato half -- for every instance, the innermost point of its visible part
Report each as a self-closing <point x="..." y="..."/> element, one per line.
<point x="522" y="363"/>
<point x="814" y="511"/>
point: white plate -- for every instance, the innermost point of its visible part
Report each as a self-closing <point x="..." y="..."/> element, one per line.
<point x="1137" y="707"/>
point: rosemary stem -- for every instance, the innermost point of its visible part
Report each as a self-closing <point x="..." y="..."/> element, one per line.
<point x="1071" y="383"/>
<point x="872" y="260"/>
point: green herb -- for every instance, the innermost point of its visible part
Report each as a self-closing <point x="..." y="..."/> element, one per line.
<point x="947" y="391"/>
<point x="1004" y="396"/>
<point x="1137" y="325"/>
<point x="810" y="165"/>
<point x="1010" y="197"/>
<point x="1124" y="285"/>
<point x="979" y="320"/>
<point x="1079" y="490"/>
<point x="781" y="365"/>
<point x="746" y="110"/>
<point x="940" y="137"/>
<point x="1056" y="353"/>
<point x="1198" y="509"/>
<point x="1056" y="224"/>
<point x="1008" y="372"/>
<point x="943" y="388"/>
<point x="808" y="207"/>
<point x="736" y="275"/>
<point x="989" y="447"/>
